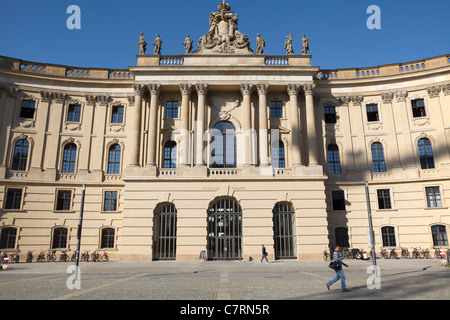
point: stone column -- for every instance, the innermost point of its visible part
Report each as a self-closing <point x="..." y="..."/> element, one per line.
<point x="202" y="89"/>
<point x="9" y="102"/>
<point x="406" y="146"/>
<point x="154" y="89"/>
<point x="263" y="151"/>
<point x="134" y="120"/>
<point x="311" y="124"/>
<point x="41" y="122"/>
<point x="246" y="90"/>
<point x="185" y="136"/>
<point x="56" y="119"/>
<point x="392" y="156"/>
<point x="294" y="123"/>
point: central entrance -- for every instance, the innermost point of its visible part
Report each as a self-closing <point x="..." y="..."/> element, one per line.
<point x="224" y="229"/>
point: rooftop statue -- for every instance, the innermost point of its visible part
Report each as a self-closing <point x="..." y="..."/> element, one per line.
<point x="223" y="36"/>
<point x="305" y="42"/>
<point x="142" y="44"/>
<point x="157" y="44"/>
<point x="288" y="45"/>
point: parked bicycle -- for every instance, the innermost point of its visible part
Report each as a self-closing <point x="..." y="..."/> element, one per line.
<point x="41" y="256"/>
<point x="405" y="254"/>
<point x="64" y="257"/>
<point x="425" y="254"/>
<point x="393" y="254"/>
<point x="416" y="253"/>
<point x="98" y="257"/>
<point x="51" y="256"/>
<point x="85" y="256"/>
<point x="384" y="254"/>
<point x="73" y="258"/>
<point x="29" y="258"/>
<point x="14" y="257"/>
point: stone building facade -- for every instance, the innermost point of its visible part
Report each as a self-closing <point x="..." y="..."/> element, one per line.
<point x="222" y="150"/>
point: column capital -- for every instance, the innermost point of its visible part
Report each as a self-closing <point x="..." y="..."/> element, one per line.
<point x="59" y="97"/>
<point x="433" y="92"/>
<point x="139" y="88"/>
<point x="308" y="88"/>
<point x="154" y="88"/>
<point x="201" y="88"/>
<point x="293" y="89"/>
<point x="401" y="96"/>
<point x="246" y="88"/>
<point x="262" y="88"/>
<point x="357" y="100"/>
<point x="46" y="96"/>
<point x="387" y="97"/>
<point x="185" y="88"/>
<point x="446" y="89"/>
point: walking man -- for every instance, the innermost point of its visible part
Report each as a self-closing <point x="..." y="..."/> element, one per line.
<point x="264" y="254"/>
<point x="339" y="272"/>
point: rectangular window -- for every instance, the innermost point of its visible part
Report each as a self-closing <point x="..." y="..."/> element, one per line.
<point x="276" y="109"/>
<point x="64" y="200"/>
<point x="433" y="197"/>
<point x="28" y="108"/>
<point x="329" y="114"/>
<point x="418" y="108"/>
<point x="384" y="199"/>
<point x="372" y="113"/>
<point x="338" y="200"/>
<point x="172" y="110"/>
<point x="74" y="113"/>
<point x="110" y="201"/>
<point x="117" y="114"/>
<point x="13" y="199"/>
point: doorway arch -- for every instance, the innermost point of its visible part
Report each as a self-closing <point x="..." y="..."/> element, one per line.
<point x="224" y="229"/>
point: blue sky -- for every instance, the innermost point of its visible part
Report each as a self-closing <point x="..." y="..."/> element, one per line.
<point x="411" y="30"/>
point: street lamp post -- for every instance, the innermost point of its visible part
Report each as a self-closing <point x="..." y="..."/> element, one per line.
<point x="371" y="235"/>
<point x="80" y="224"/>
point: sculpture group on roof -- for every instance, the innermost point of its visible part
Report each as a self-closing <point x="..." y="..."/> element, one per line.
<point x="223" y="37"/>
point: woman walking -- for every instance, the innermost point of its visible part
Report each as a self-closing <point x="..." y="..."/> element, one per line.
<point x="339" y="272"/>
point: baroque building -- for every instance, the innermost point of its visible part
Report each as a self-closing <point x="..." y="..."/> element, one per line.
<point x="221" y="150"/>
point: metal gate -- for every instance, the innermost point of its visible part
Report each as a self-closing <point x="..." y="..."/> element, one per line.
<point x="225" y="229"/>
<point x="165" y="232"/>
<point x="284" y="231"/>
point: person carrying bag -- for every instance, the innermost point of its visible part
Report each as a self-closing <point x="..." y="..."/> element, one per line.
<point x="336" y="265"/>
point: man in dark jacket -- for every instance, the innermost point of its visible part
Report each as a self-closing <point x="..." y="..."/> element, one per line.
<point x="264" y="254"/>
<point x="339" y="272"/>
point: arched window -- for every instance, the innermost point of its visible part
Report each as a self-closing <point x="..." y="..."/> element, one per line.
<point x="439" y="234"/>
<point x="284" y="230"/>
<point x="334" y="164"/>
<point x="170" y="155"/>
<point x="20" y="155"/>
<point x="425" y="153"/>
<point x="223" y="142"/>
<point x="69" y="158"/>
<point x="388" y="236"/>
<point x="114" y="159"/>
<point x="8" y="238"/>
<point x="278" y="156"/>
<point x="59" y="238"/>
<point x="378" y="162"/>
<point x="108" y="235"/>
